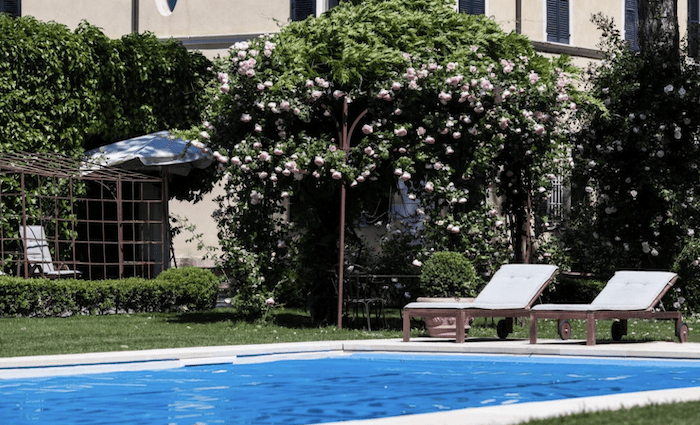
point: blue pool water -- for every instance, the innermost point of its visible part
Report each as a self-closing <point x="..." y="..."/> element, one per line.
<point x="359" y="386"/>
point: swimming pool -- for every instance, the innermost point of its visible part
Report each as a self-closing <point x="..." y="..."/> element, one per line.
<point x="335" y="388"/>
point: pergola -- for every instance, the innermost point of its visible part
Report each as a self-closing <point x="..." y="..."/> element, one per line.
<point x="103" y="221"/>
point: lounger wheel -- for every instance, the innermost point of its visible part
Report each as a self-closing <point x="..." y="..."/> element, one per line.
<point x="617" y="331"/>
<point x="564" y="329"/>
<point x="682" y="332"/>
<point x="502" y="329"/>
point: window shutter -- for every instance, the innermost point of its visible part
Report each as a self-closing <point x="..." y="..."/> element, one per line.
<point x="301" y="9"/>
<point x="558" y="21"/>
<point x="693" y="27"/>
<point x="472" y="7"/>
<point x="11" y="7"/>
<point x="632" y="24"/>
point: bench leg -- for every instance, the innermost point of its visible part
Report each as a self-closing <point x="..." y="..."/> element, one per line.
<point x="461" y="317"/>
<point x="590" y="328"/>
<point x="533" y="329"/>
<point x="406" y="326"/>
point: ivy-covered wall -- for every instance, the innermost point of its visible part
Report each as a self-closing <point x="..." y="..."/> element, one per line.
<point x="67" y="91"/>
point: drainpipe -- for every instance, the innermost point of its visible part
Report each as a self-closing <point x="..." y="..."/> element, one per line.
<point x="519" y="16"/>
<point x="135" y="16"/>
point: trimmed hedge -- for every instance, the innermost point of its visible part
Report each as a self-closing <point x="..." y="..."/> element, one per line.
<point x="173" y="289"/>
<point x="448" y="274"/>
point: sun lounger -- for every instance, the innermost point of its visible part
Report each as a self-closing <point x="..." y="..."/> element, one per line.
<point x="628" y="295"/>
<point x="38" y="255"/>
<point x="510" y="293"/>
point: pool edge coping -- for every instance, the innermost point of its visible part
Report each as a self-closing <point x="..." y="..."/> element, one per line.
<point x="654" y="349"/>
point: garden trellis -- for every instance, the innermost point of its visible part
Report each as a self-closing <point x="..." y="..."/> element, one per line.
<point x="105" y="222"/>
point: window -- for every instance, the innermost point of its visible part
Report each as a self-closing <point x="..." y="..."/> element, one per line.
<point x="558" y="21"/>
<point x="472" y="7"/>
<point x="301" y="9"/>
<point x="693" y="27"/>
<point x="632" y="24"/>
<point x="11" y="7"/>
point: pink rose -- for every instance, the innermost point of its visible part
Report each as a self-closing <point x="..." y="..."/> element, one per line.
<point x="400" y="132"/>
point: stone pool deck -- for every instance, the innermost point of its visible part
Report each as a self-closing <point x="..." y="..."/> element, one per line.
<point x="17" y="367"/>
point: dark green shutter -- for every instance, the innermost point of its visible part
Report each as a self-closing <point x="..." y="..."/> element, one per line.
<point x="693" y="27"/>
<point x="301" y="9"/>
<point x="11" y="7"/>
<point x="632" y="24"/>
<point x="558" y="21"/>
<point x="472" y="7"/>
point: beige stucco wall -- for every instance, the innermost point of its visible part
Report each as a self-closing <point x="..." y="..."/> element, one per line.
<point x="503" y="12"/>
<point x="584" y="33"/>
<point x="113" y="17"/>
<point x="199" y="215"/>
<point x="190" y="17"/>
<point x="214" y="17"/>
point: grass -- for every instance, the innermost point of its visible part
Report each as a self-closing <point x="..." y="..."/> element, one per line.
<point x="86" y="334"/>
<point x="667" y="414"/>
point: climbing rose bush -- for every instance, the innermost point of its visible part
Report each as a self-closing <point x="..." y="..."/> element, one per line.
<point x="461" y="114"/>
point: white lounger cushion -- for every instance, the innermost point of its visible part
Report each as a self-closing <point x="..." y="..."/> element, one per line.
<point x="626" y="290"/>
<point x="514" y="286"/>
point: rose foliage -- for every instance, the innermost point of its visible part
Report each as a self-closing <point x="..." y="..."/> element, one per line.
<point x="445" y="103"/>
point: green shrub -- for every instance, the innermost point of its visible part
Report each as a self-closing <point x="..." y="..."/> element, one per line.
<point x="195" y="288"/>
<point x="686" y="294"/>
<point x="188" y="287"/>
<point x="448" y="274"/>
<point x="572" y="290"/>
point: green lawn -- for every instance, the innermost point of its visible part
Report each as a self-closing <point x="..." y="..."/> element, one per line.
<point x="666" y="414"/>
<point x="81" y="334"/>
<point x="85" y="334"/>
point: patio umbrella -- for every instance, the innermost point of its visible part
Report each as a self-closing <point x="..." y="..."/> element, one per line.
<point x="151" y="151"/>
